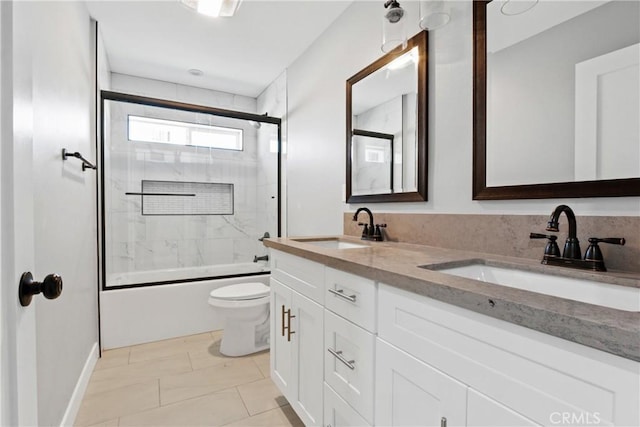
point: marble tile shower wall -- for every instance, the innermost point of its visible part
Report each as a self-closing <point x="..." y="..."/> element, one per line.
<point x="140" y="243"/>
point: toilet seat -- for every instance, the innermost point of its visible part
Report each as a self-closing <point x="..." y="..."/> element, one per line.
<point x="240" y="295"/>
<point x="241" y="291"/>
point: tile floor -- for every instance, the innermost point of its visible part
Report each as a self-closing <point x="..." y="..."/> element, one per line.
<point x="183" y="382"/>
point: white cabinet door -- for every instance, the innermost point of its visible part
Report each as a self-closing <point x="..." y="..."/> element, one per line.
<point x="412" y="393"/>
<point x="296" y="351"/>
<point x="281" y="369"/>
<point x="338" y="413"/>
<point x="307" y="361"/>
<point x="485" y="412"/>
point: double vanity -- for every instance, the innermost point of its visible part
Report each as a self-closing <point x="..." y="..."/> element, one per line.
<point x="384" y="333"/>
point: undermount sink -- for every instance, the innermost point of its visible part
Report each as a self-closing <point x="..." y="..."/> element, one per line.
<point x="332" y="243"/>
<point x="593" y="292"/>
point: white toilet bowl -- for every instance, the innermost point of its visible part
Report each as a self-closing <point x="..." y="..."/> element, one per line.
<point x="245" y="308"/>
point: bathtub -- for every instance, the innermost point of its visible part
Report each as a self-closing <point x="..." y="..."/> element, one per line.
<point x="185" y="274"/>
<point x="136" y="315"/>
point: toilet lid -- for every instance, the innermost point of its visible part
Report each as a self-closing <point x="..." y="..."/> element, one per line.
<point x="241" y="291"/>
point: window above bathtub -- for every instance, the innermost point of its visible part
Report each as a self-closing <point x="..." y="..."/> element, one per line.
<point x="147" y="129"/>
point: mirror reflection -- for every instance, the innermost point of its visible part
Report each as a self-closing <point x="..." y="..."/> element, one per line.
<point x="384" y="132"/>
<point x="563" y="89"/>
<point x="384" y="136"/>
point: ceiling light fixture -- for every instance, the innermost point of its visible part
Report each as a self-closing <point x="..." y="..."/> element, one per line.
<point x="434" y="14"/>
<point x="214" y="8"/>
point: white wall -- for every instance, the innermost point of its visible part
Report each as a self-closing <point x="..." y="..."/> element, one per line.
<point x="181" y="93"/>
<point x="104" y="68"/>
<point x="65" y="228"/>
<point x="316" y="140"/>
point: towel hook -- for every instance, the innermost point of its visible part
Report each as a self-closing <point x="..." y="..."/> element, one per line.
<point x="86" y="164"/>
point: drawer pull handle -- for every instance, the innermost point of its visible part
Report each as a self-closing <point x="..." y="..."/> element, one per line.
<point x="340" y="293"/>
<point x="289" y="316"/>
<point x="289" y="331"/>
<point x="338" y="355"/>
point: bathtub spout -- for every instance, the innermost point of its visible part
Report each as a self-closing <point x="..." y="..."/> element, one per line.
<point x="260" y="258"/>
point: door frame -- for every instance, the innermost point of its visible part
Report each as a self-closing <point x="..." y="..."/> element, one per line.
<point x="18" y="369"/>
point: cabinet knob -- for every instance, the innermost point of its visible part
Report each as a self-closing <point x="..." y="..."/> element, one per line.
<point x="50" y="287"/>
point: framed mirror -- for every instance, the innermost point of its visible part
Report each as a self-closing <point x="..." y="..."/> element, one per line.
<point x="387" y="127"/>
<point x="556" y="104"/>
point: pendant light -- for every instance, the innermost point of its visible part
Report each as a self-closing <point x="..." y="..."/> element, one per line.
<point x="393" y="26"/>
<point x="434" y="14"/>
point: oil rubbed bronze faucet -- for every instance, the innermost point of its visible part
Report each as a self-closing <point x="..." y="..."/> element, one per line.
<point x="571" y="254"/>
<point x="571" y="245"/>
<point x="370" y="231"/>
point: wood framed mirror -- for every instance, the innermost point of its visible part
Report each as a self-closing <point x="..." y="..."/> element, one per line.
<point x="387" y="127"/>
<point x="543" y="124"/>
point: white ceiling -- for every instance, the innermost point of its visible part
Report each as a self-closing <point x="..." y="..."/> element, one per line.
<point x="164" y="39"/>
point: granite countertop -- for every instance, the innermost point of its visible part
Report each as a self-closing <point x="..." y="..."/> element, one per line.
<point x="398" y="264"/>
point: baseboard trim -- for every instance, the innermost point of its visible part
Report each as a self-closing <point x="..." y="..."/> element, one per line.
<point x="81" y="386"/>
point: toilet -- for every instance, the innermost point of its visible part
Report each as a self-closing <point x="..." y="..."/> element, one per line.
<point x="245" y="308"/>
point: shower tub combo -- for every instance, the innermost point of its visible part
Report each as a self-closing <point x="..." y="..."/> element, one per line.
<point x="187" y="193"/>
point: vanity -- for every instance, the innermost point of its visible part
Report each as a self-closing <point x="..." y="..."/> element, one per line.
<point x="385" y="333"/>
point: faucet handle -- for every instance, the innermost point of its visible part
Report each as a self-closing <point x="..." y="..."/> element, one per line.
<point x="611" y="240"/>
<point x="593" y="252"/>
<point x="540" y="236"/>
<point x="552" y="248"/>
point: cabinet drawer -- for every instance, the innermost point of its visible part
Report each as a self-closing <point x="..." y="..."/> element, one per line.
<point x="338" y="413"/>
<point x="301" y="275"/>
<point x="352" y="297"/>
<point x="349" y="363"/>
<point x="530" y="373"/>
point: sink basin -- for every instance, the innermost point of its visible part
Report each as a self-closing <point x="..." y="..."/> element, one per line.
<point x="592" y="292"/>
<point x="333" y="243"/>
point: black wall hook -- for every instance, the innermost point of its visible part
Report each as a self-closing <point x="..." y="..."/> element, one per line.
<point x="86" y="164"/>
